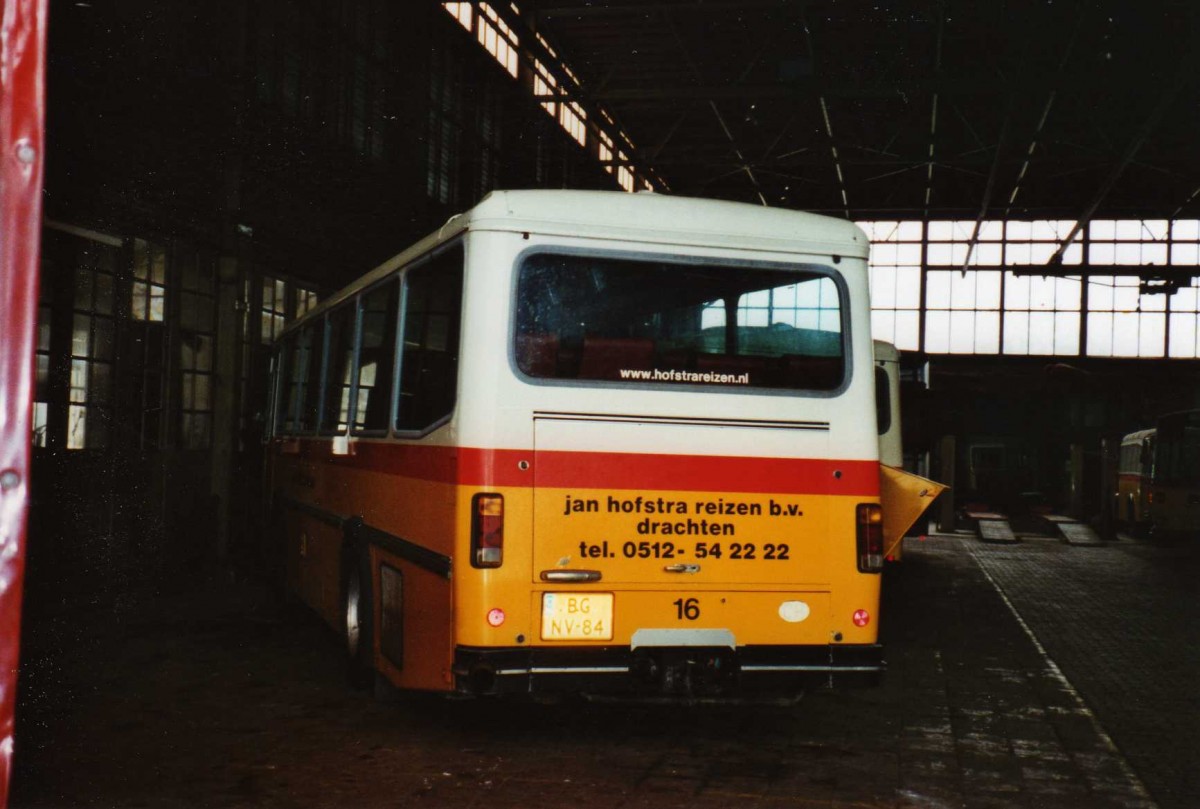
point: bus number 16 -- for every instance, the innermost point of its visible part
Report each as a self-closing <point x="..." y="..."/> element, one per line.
<point x="687" y="608"/>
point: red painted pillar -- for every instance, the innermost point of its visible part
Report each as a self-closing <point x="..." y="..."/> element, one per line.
<point x="22" y="83"/>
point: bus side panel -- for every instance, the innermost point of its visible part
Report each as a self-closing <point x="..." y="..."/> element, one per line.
<point x="313" y="552"/>
<point x="479" y="591"/>
<point x="414" y="629"/>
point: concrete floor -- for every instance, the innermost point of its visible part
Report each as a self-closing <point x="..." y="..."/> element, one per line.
<point x="215" y="696"/>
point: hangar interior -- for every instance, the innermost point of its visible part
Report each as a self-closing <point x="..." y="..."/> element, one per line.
<point x="1026" y="173"/>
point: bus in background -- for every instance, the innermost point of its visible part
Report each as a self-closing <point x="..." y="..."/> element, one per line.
<point x="911" y="495"/>
<point x="590" y="441"/>
<point x="1135" y="468"/>
<point x="1174" y="501"/>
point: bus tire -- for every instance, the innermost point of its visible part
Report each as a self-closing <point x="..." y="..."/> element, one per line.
<point x="359" y="618"/>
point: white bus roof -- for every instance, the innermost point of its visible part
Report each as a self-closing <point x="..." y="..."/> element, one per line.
<point x="666" y="219"/>
<point x="885" y="351"/>
<point x="641" y="217"/>
<point x="1136" y="438"/>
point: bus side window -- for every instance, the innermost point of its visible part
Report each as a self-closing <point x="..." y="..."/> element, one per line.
<point x="338" y="370"/>
<point x="311" y="401"/>
<point x="281" y="387"/>
<point x="303" y="375"/>
<point x="883" y="400"/>
<point x="429" y="364"/>
<point x="377" y="357"/>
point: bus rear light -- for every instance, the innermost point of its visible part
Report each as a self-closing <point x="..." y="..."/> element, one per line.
<point x="861" y="618"/>
<point x="487" y="530"/>
<point x="495" y="616"/>
<point x="869" y="533"/>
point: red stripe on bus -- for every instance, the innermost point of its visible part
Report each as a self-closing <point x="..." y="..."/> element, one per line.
<point x="471" y="466"/>
<point x="706" y="473"/>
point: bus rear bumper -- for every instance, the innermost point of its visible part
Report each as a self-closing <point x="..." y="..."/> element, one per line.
<point x="658" y="671"/>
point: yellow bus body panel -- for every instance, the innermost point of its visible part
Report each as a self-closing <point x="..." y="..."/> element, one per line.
<point x="905" y="497"/>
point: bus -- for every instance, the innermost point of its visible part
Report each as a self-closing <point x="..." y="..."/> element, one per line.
<point x="1135" y="468"/>
<point x="591" y="442"/>
<point x="912" y="495"/>
<point x="1174" y="500"/>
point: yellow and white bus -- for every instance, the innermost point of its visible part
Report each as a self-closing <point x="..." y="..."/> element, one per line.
<point x="1135" y="467"/>
<point x="1173" y="505"/>
<point x="907" y="495"/>
<point x="591" y="441"/>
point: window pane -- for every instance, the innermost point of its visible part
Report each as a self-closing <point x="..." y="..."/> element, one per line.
<point x="591" y="317"/>
<point x="339" y="369"/>
<point x="378" y="360"/>
<point x="429" y="364"/>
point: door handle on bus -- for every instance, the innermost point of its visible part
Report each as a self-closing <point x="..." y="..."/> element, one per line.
<point x="570" y="575"/>
<point x="682" y="568"/>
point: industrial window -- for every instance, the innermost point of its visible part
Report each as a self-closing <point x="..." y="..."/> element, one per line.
<point x="490" y="117"/>
<point x="144" y="360"/>
<point x="377" y="357"/>
<point x="572" y="118"/>
<point x="197" y="325"/>
<point x="604" y="151"/>
<point x="41" y="390"/>
<point x="895" y="268"/>
<point x="557" y="98"/>
<point x="624" y="174"/>
<point x="306" y="301"/>
<point x="962" y="307"/>
<point x="1133" y="242"/>
<point x="302" y="378"/>
<point x="149" y="281"/>
<point x="93" y="338"/>
<point x="1184" y="333"/>
<point x="1149" y="313"/>
<point x="42" y="372"/>
<point x="463" y="12"/>
<point x="429" y="362"/>
<point x="1041" y="315"/>
<point x="497" y="38"/>
<point x="327" y="67"/>
<point x="545" y="88"/>
<point x="444" y="135"/>
<point x="273" y="308"/>
<point x="1121" y="322"/>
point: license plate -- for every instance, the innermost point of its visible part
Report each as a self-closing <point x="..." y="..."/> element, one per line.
<point x="577" y="616"/>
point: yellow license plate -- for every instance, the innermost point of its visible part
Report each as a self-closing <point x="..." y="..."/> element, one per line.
<point x="577" y="616"/>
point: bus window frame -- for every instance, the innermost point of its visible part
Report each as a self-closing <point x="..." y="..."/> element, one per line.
<point x="356" y="302"/>
<point x="684" y="259"/>
<point x="883" y="399"/>
<point x="460" y="243"/>
<point x="399" y="278"/>
<point x="302" y="399"/>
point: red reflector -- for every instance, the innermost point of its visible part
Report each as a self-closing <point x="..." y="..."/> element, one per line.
<point x="861" y="618"/>
<point x="495" y="617"/>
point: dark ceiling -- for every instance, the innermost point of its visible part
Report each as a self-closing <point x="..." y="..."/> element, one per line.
<point x="876" y="109"/>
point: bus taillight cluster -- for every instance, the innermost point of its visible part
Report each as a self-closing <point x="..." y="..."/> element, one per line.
<point x="869" y="525"/>
<point x="487" y="530"/>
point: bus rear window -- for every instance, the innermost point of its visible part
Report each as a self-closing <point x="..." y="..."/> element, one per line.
<point x="654" y="322"/>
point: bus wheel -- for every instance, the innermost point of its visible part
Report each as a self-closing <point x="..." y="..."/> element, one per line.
<point x="360" y="635"/>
